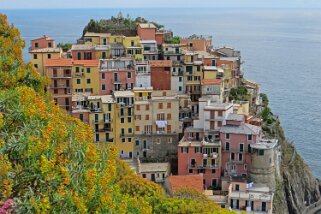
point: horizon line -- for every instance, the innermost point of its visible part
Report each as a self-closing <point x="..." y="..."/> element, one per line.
<point x="185" y="7"/>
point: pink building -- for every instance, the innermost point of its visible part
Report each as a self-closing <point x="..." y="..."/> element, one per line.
<point x="236" y="137"/>
<point x="116" y="75"/>
<point x="198" y="153"/>
<point x="43" y="42"/>
<point x="146" y="31"/>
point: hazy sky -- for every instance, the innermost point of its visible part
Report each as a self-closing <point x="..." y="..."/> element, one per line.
<point x="4" y="4"/>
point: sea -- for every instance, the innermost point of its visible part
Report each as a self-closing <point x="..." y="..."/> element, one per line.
<point x="281" y="49"/>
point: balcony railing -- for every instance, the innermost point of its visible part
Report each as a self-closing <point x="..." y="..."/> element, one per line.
<point x="105" y="130"/>
<point x="60" y="86"/>
<point x="127" y="135"/>
<point x="208" y="166"/>
<point x="68" y="76"/>
<point x="108" y="120"/>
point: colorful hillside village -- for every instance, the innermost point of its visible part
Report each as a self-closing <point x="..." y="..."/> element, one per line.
<point x="167" y="107"/>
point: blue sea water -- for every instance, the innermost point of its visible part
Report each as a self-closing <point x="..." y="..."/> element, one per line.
<point x="281" y="49"/>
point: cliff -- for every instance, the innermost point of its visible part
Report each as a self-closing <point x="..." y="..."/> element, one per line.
<point x="297" y="190"/>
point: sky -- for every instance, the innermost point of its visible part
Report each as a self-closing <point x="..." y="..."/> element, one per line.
<point x="32" y="4"/>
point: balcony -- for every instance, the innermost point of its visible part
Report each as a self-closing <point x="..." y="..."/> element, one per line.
<point x="96" y="110"/>
<point x="58" y="86"/>
<point x="211" y="156"/>
<point x="208" y="166"/>
<point x="65" y="76"/>
<point x="108" y="120"/>
<point x="127" y="135"/>
<point x="79" y="75"/>
<point x="105" y="130"/>
<point x="236" y="161"/>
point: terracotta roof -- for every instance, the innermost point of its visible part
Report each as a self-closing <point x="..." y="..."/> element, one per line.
<point x="90" y="63"/>
<point x="160" y="63"/>
<point x="186" y="181"/>
<point x="46" y="50"/>
<point x="58" y="62"/>
<point x="48" y="38"/>
<point x="211" y="82"/>
<point x="147" y="25"/>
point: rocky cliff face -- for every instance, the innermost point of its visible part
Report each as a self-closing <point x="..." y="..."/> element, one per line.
<point x="297" y="190"/>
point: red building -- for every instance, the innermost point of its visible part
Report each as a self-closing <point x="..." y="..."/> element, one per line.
<point x="146" y="31"/>
<point x="161" y="74"/>
<point x="116" y="75"/>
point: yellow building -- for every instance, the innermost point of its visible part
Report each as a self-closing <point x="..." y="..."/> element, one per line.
<point x="124" y="123"/>
<point x="133" y="47"/>
<point x="96" y="38"/>
<point x="86" y="76"/>
<point x="102" y="118"/>
<point x="38" y="57"/>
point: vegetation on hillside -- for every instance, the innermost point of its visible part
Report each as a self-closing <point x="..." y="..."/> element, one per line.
<point x="175" y="40"/>
<point x="117" y="25"/>
<point x="64" y="46"/>
<point x="48" y="161"/>
<point x="239" y="93"/>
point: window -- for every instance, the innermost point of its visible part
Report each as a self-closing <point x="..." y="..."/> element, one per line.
<point x="49" y="44"/>
<point x="190" y="171"/>
<point x="103" y="76"/>
<point x="122" y="120"/>
<point x="130" y="130"/>
<point x="245" y="166"/>
<point x="169" y="105"/>
<point x="138" y="107"/>
<point x="129" y="140"/>
<point x="227" y="146"/>
<point x="170" y="140"/>
<point x="81" y="117"/>
<point x="169" y="116"/>
<point x="137" y="142"/>
<point x="220" y="113"/>
<point x="103" y="87"/>
<point x="144" y="175"/>
<point x="260" y="152"/>
<point x="160" y="105"/>
<point x="197" y="150"/>
<point x="169" y="128"/>
<point x="49" y="56"/>
<point x="123" y="140"/>
<point x="184" y="149"/>
<point x="35" y="65"/>
<point x="55" y="91"/>
<point x="237" y="187"/>
<point x="129" y="119"/>
<point x="240" y="156"/>
<point x="88" y="81"/>
<point x="78" y="81"/>
<point x="232" y="156"/>
<point x="97" y="137"/>
<point x="213" y="171"/>
<point x="104" y="55"/>
<point x="35" y="56"/>
<point x="180" y="79"/>
<point x="147" y="107"/>
<point x="158" y="141"/>
<point x="137" y="117"/>
<point x="36" y="45"/>
<point x="241" y="147"/>
<point x="227" y="136"/>
<point x="129" y="75"/>
<point x="249" y="137"/>
<point x="79" y="56"/>
<point x="88" y="70"/>
<point x="137" y="128"/>
<point x="147" y="117"/>
<point x="180" y="88"/>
